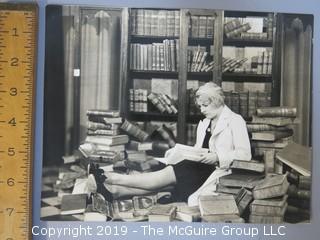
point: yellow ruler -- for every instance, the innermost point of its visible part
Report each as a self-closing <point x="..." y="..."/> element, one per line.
<point x="18" y="31"/>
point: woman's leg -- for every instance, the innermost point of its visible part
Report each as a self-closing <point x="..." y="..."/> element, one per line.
<point x="152" y="181"/>
<point x="118" y="191"/>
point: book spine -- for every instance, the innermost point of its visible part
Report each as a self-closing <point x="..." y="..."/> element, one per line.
<point x="134" y="130"/>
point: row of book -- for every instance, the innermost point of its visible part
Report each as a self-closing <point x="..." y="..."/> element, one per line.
<point x="155" y="56"/>
<point x="249" y="27"/>
<point x="147" y="22"/>
<point x="201" y="26"/>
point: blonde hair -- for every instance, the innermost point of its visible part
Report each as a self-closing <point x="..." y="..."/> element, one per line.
<point x="212" y="92"/>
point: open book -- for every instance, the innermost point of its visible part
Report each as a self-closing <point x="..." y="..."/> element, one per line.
<point x="182" y="152"/>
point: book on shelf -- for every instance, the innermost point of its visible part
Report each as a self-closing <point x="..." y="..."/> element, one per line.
<point x="238" y="31"/>
<point x="251" y="165"/>
<point x="73" y="204"/>
<point x="304" y="182"/>
<point x="297" y="157"/>
<point x="241" y="179"/>
<point x="277" y="112"/>
<point x="218" y="205"/>
<point x="271" y="136"/>
<point x="188" y="214"/>
<point x="162" y="213"/>
<point x="272" y="206"/>
<point x="272" y="186"/>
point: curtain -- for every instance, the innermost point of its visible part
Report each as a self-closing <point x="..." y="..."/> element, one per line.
<point x="100" y="60"/>
<point x="296" y="74"/>
<point x="91" y="70"/>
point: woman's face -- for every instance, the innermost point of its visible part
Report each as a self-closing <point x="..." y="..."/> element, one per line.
<point x="208" y="108"/>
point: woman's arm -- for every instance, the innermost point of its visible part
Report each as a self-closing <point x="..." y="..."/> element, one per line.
<point x="241" y="143"/>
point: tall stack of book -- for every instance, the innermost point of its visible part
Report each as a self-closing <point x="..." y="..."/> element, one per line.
<point x="270" y="200"/>
<point x="104" y="143"/>
<point x="299" y="195"/>
<point x="270" y="132"/>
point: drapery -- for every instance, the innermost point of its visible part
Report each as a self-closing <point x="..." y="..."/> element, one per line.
<point x="296" y="74"/>
<point x="92" y="62"/>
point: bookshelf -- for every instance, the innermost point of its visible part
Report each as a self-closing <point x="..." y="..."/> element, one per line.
<point x="198" y="41"/>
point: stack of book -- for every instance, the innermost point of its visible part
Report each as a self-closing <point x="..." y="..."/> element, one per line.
<point x="155" y="56"/>
<point x="147" y="22"/>
<point x="270" y="200"/>
<point x="297" y="160"/>
<point x="104" y="143"/>
<point x="299" y="195"/>
<point x="245" y="174"/>
<point x="270" y="132"/>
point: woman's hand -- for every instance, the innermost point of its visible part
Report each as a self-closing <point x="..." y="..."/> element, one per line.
<point x="209" y="158"/>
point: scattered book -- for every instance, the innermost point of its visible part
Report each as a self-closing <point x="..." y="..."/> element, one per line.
<point x="73" y="204"/>
<point x="104" y="113"/>
<point x="272" y="186"/>
<point x="251" y="165"/>
<point x="243" y="199"/>
<point x="246" y="180"/>
<point x="188" y="214"/>
<point x="162" y="213"/>
<point x="218" y="205"/>
<point x="108" y="140"/>
<point x="225" y="218"/>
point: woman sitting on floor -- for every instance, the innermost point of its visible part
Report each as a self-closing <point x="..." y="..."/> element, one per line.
<point x="222" y="131"/>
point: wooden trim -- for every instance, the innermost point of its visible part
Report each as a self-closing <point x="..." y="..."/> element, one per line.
<point x="218" y="46"/>
<point x="124" y="58"/>
<point x="182" y="84"/>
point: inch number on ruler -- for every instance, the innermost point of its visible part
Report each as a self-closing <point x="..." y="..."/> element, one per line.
<point x="18" y="25"/>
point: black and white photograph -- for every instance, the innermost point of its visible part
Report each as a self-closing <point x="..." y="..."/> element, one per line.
<point x="163" y="115"/>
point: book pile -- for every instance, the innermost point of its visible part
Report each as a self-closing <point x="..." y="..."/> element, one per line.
<point x="104" y="144"/>
<point x="297" y="160"/>
<point x="270" y="132"/>
<point x="201" y="26"/>
<point x="256" y="28"/>
<point x="270" y="200"/>
<point x="155" y="56"/>
<point x="299" y="195"/>
<point x="147" y="22"/>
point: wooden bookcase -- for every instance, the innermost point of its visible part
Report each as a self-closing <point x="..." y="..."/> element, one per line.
<point x="185" y="39"/>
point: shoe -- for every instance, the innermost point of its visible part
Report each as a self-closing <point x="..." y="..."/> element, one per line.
<point x="96" y="179"/>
